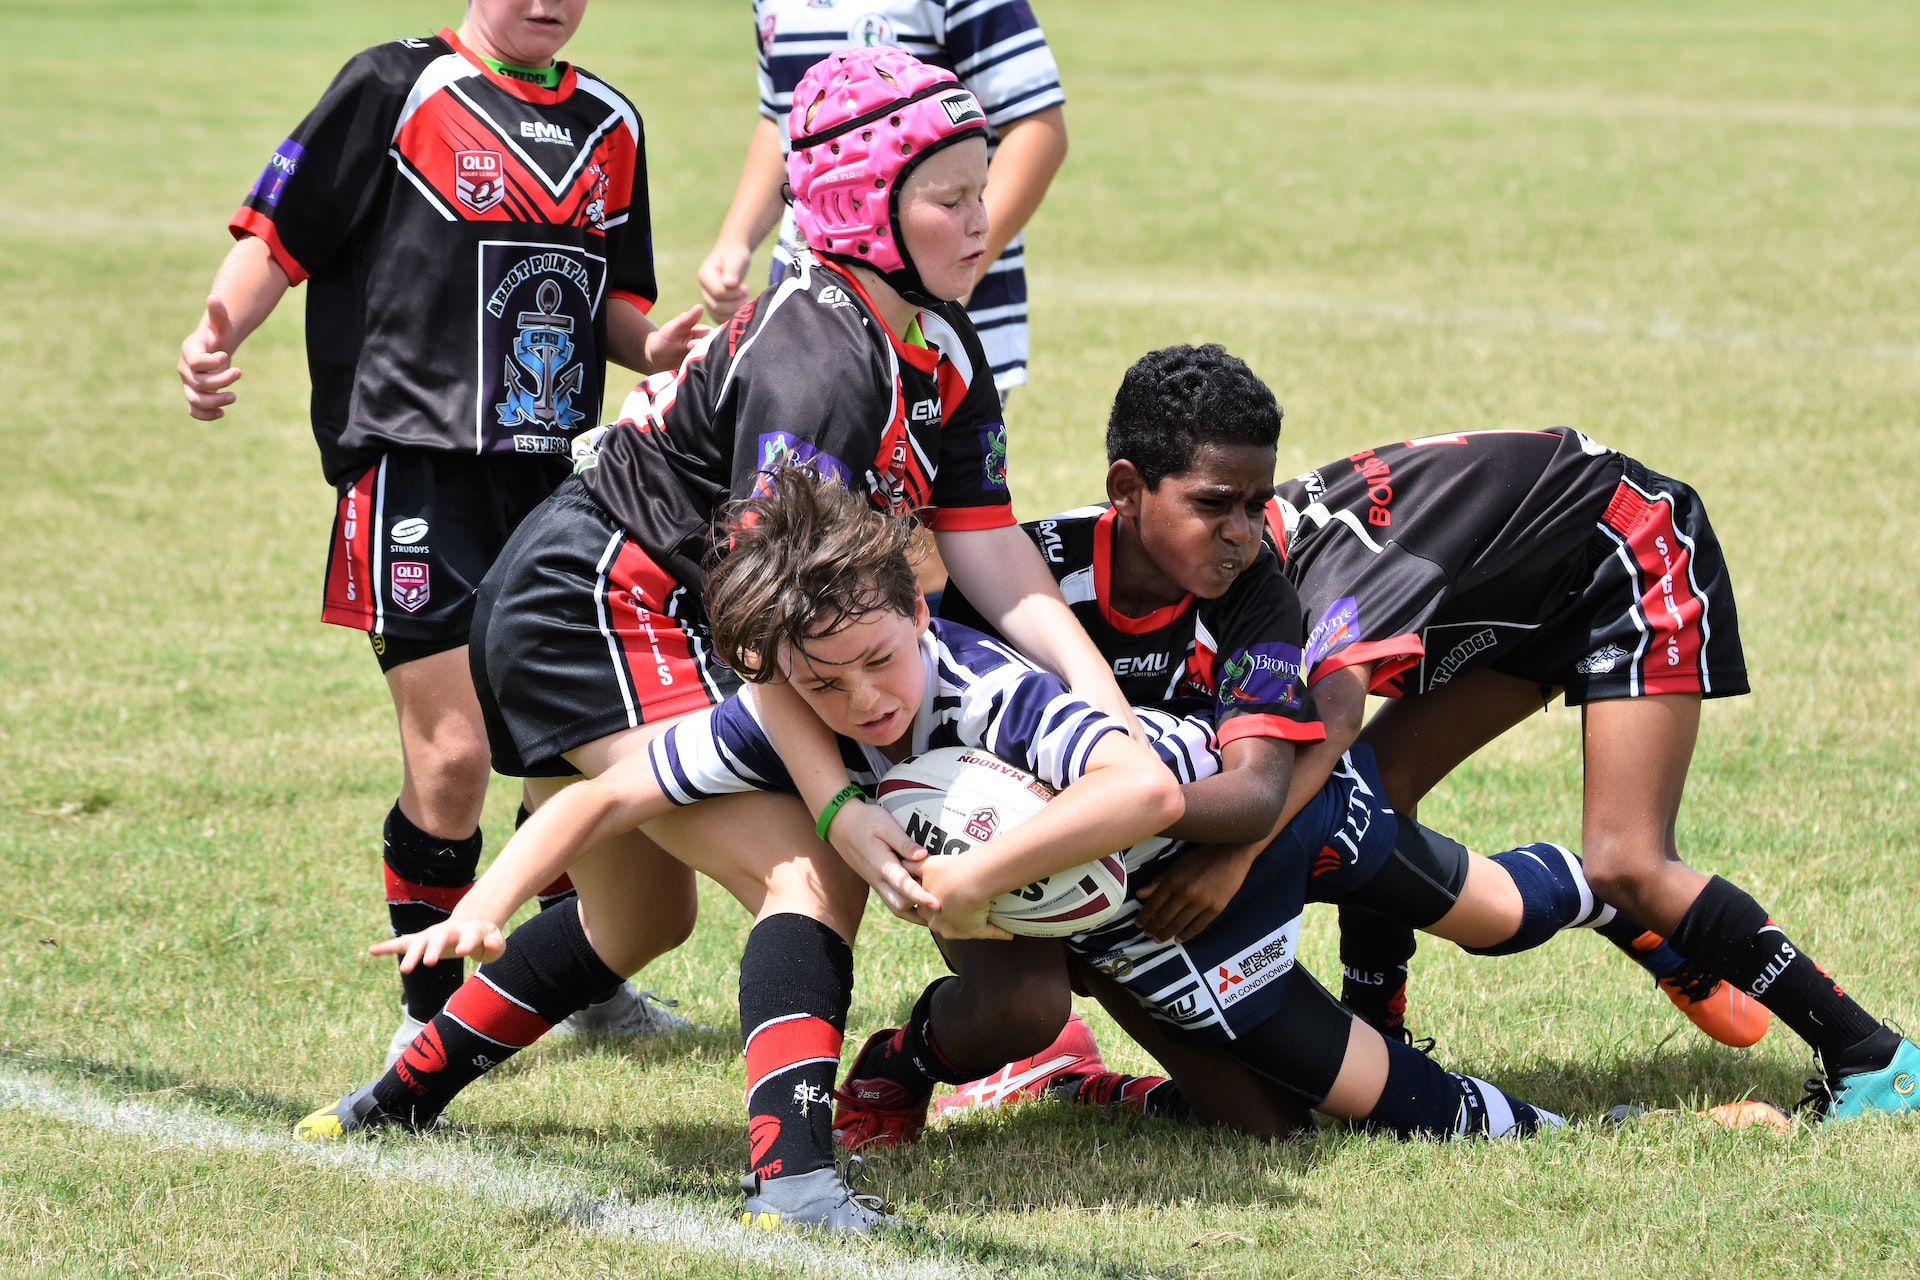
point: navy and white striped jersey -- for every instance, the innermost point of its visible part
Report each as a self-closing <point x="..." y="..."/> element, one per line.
<point x="979" y="693"/>
<point x="999" y="52"/>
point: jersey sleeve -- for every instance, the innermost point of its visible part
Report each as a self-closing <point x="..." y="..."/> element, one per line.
<point x="1364" y="601"/>
<point x="970" y="480"/>
<point x="320" y="185"/>
<point x="1256" y="635"/>
<point x="717" y="752"/>
<point x="1000" y="53"/>
<point x="630" y="232"/>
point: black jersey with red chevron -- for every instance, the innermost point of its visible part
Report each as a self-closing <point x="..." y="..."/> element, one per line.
<point x="1234" y="659"/>
<point x="807" y="373"/>
<point x="460" y="232"/>
<point x="1390" y="543"/>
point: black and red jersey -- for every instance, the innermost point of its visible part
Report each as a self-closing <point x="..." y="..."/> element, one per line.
<point x="460" y="232"/>
<point x="1398" y="541"/>
<point x="1236" y="658"/>
<point x="808" y="373"/>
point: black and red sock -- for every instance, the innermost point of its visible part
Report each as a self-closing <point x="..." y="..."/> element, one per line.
<point x="426" y="876"/>
<point x="911" y="1058"/>
<point x="1730" y="934"/>
<point x="1374" y="954"/>
<point x="549" y="970"/>
<point x="796" y="981"/>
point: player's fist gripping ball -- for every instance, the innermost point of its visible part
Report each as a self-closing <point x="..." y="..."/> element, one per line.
<point x="954" y="798"/>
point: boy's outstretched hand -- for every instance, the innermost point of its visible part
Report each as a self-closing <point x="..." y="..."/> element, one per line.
<point x="448" y="938"/>
<point x="1187" y="897"/>
<point x="668" y="345"/>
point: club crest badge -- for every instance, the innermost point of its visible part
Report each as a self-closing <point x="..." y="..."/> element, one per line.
<point x="544" y="397"/>
<point x="410" y="587"/>
<point x="478" y="179"/>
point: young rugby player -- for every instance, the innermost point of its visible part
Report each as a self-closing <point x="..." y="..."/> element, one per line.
<point x="590" y="632"/>
<point x="817" y="591"/>
<point x="1476" y="576"/>
<point x="999" y="52"/>
<point x="472" y="217"/>
<point x="1173" y="583"/>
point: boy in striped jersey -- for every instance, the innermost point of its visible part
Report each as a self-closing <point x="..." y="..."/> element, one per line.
<point x="998" y="51"/>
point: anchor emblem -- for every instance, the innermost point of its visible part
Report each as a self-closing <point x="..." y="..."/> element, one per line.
<point x="543" y="349"/>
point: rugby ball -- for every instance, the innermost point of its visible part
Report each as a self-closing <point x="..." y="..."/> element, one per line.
<point x="952" y="798"/>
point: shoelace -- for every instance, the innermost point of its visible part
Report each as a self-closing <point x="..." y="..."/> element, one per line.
<point x="654" y="997"/>
<point x="1816" y="1096"/>
<point x="852" y="1170"/>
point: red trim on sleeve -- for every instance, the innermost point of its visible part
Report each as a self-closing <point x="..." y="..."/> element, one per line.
<point x="639" y="300"/>
<point x="1391" y="657"/>
<point x="1263" y="726"/>
<point x="965" y="519"/>
<point x="251" y="222"/>
<point x="1103" y="593"/>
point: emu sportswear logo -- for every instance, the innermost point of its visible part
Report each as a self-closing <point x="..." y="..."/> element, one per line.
<point x="961" y="107"/>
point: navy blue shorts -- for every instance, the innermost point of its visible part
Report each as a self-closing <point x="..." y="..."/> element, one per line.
<point x="1233" y="976"/>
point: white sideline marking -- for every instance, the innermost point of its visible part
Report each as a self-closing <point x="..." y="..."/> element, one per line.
<point x="1661" y="329"/>
<point x="528" y="1186"/>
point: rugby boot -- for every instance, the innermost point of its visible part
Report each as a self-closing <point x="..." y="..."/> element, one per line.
<point x="824" y="1199"/>
<point x="1717" y="1007"/>
<point x="352" y="1114"/>
<point x="871" y="1110"/>
<point x="630" y="1013"/>
<point x="1892" y="1090"/>
<point x="1108" y="1090"/>
<point x="410" y="1027"/>
<point x="1073" y="1052"/>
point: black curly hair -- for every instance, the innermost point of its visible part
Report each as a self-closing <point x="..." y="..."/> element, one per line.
<point x="1174" y="400"/>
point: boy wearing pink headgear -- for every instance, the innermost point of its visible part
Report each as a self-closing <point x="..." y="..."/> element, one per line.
<point x="590" y="633"/>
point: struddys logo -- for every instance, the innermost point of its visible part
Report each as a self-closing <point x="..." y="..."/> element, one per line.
<point x="1266" y="675"/>
<point x="479" y="179"/>
<point x="1338" y="627"/>
<point x="779" y="449"/>
<point x="539" y="371"/>
<point x="409" y="584"/>
<point x="281" y="165"/>
<point x="993" y="448"/>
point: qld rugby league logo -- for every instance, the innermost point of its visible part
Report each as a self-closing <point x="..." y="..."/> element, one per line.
<point x="411" y="588"/>
<point x="479" y="180"/>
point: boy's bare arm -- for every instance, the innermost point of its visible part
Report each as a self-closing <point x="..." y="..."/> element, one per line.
<point x="552" y="840"/>
<point x="245" y="290"/>
<point x="1001" y="573"/>
<point x="754" y="212"/>
<point x="634" y="340"/>
<point x="1124" y="796"/>
<point x="1340" y="699"/>
<point x="1030" y="153"/>
<point x="1231" y="817"/>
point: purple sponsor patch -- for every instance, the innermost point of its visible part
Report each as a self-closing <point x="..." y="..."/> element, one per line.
<point x="409" y="583"/>
<point x="1338" y="627"/>
<point x="779" y="449"/>
<point x="993" y="447"/>
<point x="273" y="179"/>
<point x="1266" y="675"/>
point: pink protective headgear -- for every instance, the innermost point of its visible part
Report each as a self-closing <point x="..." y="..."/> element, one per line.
<point x="862" y="119"/>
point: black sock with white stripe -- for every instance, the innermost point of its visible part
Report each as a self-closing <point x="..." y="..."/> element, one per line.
<point x="1422" y="1099"/>
<point x="1554" y="895"/>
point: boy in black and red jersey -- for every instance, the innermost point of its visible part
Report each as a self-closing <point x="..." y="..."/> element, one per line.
<point x="471" y="219"/>
<point x="1470" y="578"/>
<point x="590" y="634"/>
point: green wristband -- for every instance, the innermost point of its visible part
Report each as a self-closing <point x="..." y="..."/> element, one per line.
<point x="840" y="798"/>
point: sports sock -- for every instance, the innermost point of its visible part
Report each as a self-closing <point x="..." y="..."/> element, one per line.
<point x="1554" y="895"/>
<point x="911" y="1058"/>
<point x="1422" y="1099"/>
<point x="796" y="981"/>
<point x="1115" y="1091"/>
<point x="1642" y="945"/>
<point x="1374" y="952"/>
<point x="1730" y="934"/>
<point x="426" y="876"/>
<point x="548" y="971"/>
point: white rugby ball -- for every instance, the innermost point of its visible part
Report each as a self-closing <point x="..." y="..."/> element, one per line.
<point x="953" y="798"/>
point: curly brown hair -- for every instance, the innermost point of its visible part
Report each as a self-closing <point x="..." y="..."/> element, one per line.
<point x="803" y="557"/>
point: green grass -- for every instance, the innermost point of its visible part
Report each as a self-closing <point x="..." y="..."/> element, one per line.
<point x="1687" y="229"/>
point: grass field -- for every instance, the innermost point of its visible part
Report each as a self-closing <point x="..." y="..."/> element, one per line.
<point x="1688" y="229"/>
